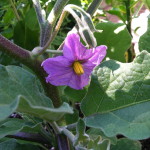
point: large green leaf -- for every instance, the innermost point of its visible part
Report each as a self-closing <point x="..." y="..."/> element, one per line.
<point x="75" y="95"/>
<point x="133" y="121"/>
<point x="19" y="91"/>
<point x="24" y="36"/>
<point x="126" y="144"/>
<point x="116" y="37"/>
<point x="144" y="42"/>
<point x="31" y="20"/>
<point x="13" y="144"/>
<point x="11" y="126"/>
<point x="117" y="85"/>
<point x="118" y="99"/>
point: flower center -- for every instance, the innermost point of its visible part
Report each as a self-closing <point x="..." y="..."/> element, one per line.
<point x="77" y="67"/>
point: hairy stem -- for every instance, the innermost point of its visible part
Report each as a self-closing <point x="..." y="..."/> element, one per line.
<point x="26" y="58"/>
<point x="38" y="10"/>
<point x="15" y="10"/>
<point x="70" y="136"/>
<point x="41" y="19"/>
<point x="93" y="7"/>
<point x="51" y="20"/>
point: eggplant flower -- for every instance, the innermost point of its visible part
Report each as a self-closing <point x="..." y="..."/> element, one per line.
<point x="75" y="66"/>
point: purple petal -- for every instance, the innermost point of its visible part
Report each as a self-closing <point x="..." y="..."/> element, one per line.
<point x="61" y="73"/>
<point x="69" y="79"/>
<point x="57" y="65"/>
<point x="98" y="54"/>
<point x="73" y="48"/>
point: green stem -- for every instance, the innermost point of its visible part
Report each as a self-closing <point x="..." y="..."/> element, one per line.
<point x="55" y="12"/>
<point x="38" y="11"/>
<point x="51" y="20"/>
<point x="70" y="136"/>
<point x="15" y="10"/>
<point x="93" y="7"/>
<point x="54" y="51"/>
<point x="130" y="51"/>
<point x="41" y="19"/>
<point x="55" y="127"/>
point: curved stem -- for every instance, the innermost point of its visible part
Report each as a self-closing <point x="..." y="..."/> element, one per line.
<point x="91" y="10"/>
<point x="70" y="136"/>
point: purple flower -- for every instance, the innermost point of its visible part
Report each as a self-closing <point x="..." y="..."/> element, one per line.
<point x="75" y="66"/>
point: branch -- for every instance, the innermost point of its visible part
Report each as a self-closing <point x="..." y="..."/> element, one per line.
<point x="12" y="49"/>
<point x="32" y="137"/>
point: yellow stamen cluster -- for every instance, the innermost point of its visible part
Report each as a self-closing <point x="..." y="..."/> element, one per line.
<point x="77" y="67"/>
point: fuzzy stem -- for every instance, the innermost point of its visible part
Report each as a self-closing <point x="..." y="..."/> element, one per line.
<point x="15" y="10"/>
<point x="26" y="58"/>
<point x="55" y="127"/>
<point x="41" y="19"/>
<point x="57" y="9"/>
<point x="70" y="136"/>
<point x="51" y="20"/>
<point x="64" y="13"/>
<point x="93" y="7"/>
<point x="38" y="10"/>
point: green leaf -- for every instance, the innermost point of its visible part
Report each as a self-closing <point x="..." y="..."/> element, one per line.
<point x="98" y="144"/>
<point x="120" y="99"/>
<point x="133" y="122"/>
<point x="11" y="126"/>
<point x="31" y="20"/>
<point x="118" y="13"/>
<point x="12" y="144"/>
<point x="20" y="91"/>
<point x="126" y="144"/>
<point x="72" y="118"/>
<point x="95" y="133"/>
<point x="75" y="95"/>
<point x="144" y="41"/>
<point x="117" y="85"/>
<point x="81" y="136"/>
<point x="116" y="37"/>
<point x="25" y="37"/>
